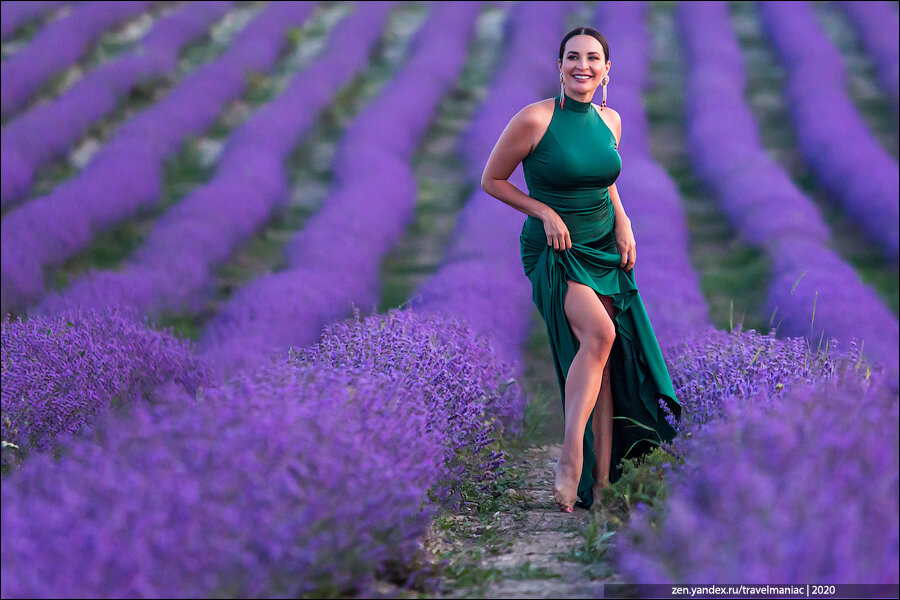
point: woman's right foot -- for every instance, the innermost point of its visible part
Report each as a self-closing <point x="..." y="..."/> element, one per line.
<point x="565" y="488"/>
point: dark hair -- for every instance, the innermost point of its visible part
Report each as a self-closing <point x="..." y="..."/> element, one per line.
<point x="585" y="31"/>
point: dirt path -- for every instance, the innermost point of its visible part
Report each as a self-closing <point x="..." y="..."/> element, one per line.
<point x="525" y="548"/>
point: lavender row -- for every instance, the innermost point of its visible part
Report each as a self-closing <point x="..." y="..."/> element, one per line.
<point x="61" y="372"/>
<point x="172" y="270"/>
<point x="877" y="26"/>
<point x="57" y="46"/>
<point x="480" y="279"/>
<point x="468" y="391"/>
<point x="669" y="285"/>
<point x="293" y="480"/>
<point x="831" y="135"/>
<point x="710" y="366"/>
<point x="294" y="484"/>
<point x="48" y="130"/>
<point x="795" y="481"/>
<point x="14" y="15"/>
<point x="334" y="260"/>
<point x="126" y="174"/>
<point x="814" y="292"/>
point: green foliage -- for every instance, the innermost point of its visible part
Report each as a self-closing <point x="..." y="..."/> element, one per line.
<point x="642" y="482"/>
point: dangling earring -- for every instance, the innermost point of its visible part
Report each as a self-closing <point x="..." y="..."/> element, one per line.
<point x="604" y="81"/>
<point x="562" y="92"/>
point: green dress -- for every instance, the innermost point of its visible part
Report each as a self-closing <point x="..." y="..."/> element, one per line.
<point x="571" y="170"/>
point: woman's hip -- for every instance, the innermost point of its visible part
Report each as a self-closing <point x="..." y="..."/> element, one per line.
<point x="597" y="231"/>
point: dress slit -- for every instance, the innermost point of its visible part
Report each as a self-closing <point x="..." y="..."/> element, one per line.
<point x="636" y="382"/>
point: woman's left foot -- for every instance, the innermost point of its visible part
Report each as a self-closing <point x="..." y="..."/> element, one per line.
<point x="597" y="490"/>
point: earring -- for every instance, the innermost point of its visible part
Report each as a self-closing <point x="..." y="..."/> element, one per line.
<point x="562" y="92"/>
<point x="604" y="82"/>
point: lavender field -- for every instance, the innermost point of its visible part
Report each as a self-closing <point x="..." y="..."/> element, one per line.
<point x="264" y="335"/>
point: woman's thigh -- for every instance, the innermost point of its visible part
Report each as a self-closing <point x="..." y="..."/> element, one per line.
<point x="590" y="314"/>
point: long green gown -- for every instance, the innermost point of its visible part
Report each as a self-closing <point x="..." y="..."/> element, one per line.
<point x="571" y="170"/>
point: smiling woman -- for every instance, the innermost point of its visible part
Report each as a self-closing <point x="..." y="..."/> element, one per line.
<point x="578" y="250"/>
<point x="584" y="64"/>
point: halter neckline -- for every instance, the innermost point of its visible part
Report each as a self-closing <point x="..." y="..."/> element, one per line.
<point x="575" y="105"/>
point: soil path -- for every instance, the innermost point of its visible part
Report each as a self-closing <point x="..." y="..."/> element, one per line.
<point x="525" y="549"/>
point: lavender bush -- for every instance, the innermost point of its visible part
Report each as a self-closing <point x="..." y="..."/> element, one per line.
<point x="283" y="483"/>
<point x="334" y="260"/>
<point x="878" y="30"/>
<point x="842" y="152"/>
<point x="57" y="46"/>
<point x="173" y="268"/>
<point x="471" y="396"/>
<point x="125" y="175"/>
<point x="795" y="487"/>
<point x="49" y="130"/>
<point x="14" y="15"/>
<point x="710" y="366"/>
<point x="813" y="290"/>
<point x="61" y="372"/>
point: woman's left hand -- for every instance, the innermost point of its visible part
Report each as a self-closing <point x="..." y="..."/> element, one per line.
<point x="625" y="242"/>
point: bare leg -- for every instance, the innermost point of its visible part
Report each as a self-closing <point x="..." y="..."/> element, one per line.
<point x="595" y="332"/>
<point x="601" y="422"/>
<point x="601" y="425"/>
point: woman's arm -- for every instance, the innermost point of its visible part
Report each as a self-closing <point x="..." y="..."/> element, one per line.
<point x="515" y="143"/>
<point x="621" y="217"/>
<point x="613" y="192"/>
<point x="624" y="234"/>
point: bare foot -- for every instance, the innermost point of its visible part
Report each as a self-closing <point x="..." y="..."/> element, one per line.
<point x="565" y="487"/>
<point x="597" y="490"/>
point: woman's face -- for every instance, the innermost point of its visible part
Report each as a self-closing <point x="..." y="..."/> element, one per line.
<point x="583" y="64"/>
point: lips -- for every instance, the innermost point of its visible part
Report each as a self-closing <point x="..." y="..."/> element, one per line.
<point x="582" y="77"/>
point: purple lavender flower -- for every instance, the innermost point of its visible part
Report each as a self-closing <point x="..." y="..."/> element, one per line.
<point x="126" y="174"/>
<point x="334" y="260"/>
<point x="471" y="395"/>
<point x="287" y="482"/>
<point x="14" y="15"/>
<point x="60" y="373"/>
<point x="878" y="29"/>
<point x="813" y="290"/>
<point x="795" y="487"/>
<point x="842" y="152"/>
<point x="57" y="46"/>
<point x="50" y="129"/>
<point x="711" y="366"/>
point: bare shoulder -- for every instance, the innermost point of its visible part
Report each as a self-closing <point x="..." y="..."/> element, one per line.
<point x="537" y="113"/>
<point x="616" y="116"/>
<point x="534" y="120"/>
<point x="612" y="119"/>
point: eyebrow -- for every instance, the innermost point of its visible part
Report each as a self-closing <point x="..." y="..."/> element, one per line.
<point x="576" y="52"/>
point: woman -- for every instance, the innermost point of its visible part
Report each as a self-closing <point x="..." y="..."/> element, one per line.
<point x="578" y="250"/>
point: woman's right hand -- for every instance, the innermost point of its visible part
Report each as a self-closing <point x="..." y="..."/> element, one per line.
<point x="556" y="231"/>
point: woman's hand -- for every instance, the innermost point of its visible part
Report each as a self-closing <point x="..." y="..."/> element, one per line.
<point x="625" y="242"/>
<point x="557" y="232"/>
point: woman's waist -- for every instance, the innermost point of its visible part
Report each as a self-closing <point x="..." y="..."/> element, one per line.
<point x="585" y="228"/>
<point x="585" y="202"/>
